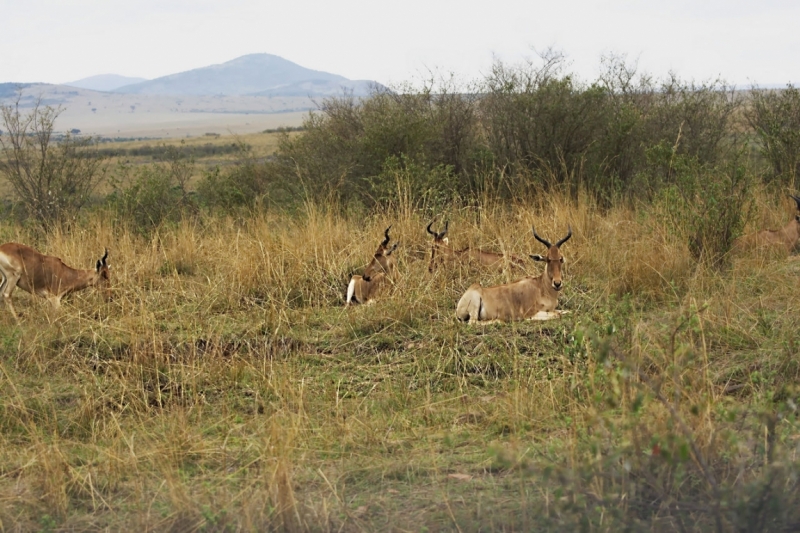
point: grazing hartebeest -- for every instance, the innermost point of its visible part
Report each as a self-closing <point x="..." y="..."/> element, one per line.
<point x="786" y="238"/>
<point x="531" y="297"/>
<point x="361" y="289"/>
<point x="441" y="251"/>
<point x="45" y="275"/>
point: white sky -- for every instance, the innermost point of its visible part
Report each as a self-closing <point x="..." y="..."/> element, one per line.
<point x="56" y="41"/>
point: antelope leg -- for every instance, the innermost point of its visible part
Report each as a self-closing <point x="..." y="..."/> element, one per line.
<point x="548" y="315"/>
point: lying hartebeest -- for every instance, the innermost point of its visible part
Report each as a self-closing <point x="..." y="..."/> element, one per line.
<point x="363" y="288"/>
<point x="45" y="275"/>
<point x="787" y="238"/>
<point x="441" y="251"/>
<point x="534" y="298"/>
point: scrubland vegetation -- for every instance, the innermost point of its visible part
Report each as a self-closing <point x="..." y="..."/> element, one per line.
<point x="226" y="387"/>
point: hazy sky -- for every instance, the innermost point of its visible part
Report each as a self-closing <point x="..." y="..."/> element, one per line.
<point x="57" y="41"/>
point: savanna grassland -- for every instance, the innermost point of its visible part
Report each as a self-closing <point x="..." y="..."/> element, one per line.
<point x="225" y="387"/>
<point x="208" y="149"/>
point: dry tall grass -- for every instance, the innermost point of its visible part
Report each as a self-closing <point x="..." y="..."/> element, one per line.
<point x="227" y="388"/>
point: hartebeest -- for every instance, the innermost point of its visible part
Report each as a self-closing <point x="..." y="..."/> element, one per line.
<point x="531" y="297"/>
<point x="45" y="275"/>
<point x="787" y="238"/>
<point x="379" y="271"/>
<point x="441" y="251"/>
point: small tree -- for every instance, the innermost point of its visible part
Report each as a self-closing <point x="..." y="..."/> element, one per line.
<point x="53" y="176"/>
<point x="774" y="115"/>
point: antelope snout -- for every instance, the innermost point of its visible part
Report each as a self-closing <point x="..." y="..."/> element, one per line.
<point x="557" y="285"/>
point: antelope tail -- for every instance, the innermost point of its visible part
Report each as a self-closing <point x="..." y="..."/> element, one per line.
<point x="351" y="289"/>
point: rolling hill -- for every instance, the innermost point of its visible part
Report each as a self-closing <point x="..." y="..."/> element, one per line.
<point x="247" y="94"/>
<point x="253" y="74"/>
<point x="104" y="82"/>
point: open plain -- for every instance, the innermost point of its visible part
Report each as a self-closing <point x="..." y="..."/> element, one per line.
<point x="113" y="115"/>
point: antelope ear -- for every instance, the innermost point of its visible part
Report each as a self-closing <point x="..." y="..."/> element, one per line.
<point x="389" y="252"/>
<point x="537" y="257"/>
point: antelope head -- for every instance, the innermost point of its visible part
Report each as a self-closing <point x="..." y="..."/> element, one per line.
<point x="382" y="261"/>
<point x="439" y="242"/>
<point x="102" y="276"/>
<point x="554" y="260"/>
<point x="797" y="200"/>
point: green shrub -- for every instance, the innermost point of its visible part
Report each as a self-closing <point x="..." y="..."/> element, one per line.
<point x="242" y="184"/>
<point x="347" y="146"/>
<point x="407" y="183"/>
<point x="521" y="129"/>
<point x="151" y="195"/>
<point x="707" y="204"/>
<point x="774" y="116"/>
<point x="538" y="120"/>
<point x="665" y="454"/>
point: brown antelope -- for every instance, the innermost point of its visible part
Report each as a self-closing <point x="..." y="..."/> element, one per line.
<point x="45" y="275"/>
<point x="530" y="297"/>
<point x="379" y="271"/>
<point x="441" y="251"/>
<point x="786" y="238"/>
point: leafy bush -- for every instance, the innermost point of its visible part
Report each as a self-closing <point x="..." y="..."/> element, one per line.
<point x="522" y="128"/>
<point x="707" y="204"/>
<point x="665" y="454"/>
<point x="241" y="185"/>
<point x="642" y="115"/>
<point x="154" y="194"/>
<point x="349" y="143"/>
<point x="775" y="118"/>
<point x="404" y="182"/>
<point x="537" y="120"/>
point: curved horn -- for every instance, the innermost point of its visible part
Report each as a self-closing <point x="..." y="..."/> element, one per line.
<point x="429" y="229"/>
<point x="546" y="243"/>
<point x="442" y="234"/>
<point x="386" y="234"/>
<point x="796" y="199"/>
<point x="105" y="256"/>
<point x="565" y="239"/>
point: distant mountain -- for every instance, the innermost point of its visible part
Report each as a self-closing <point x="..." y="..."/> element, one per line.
<point x="8" y="90"/>
<point x="104" y="82"/>
<point x="320" y="88"/>
<point x="253" y="74"/>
